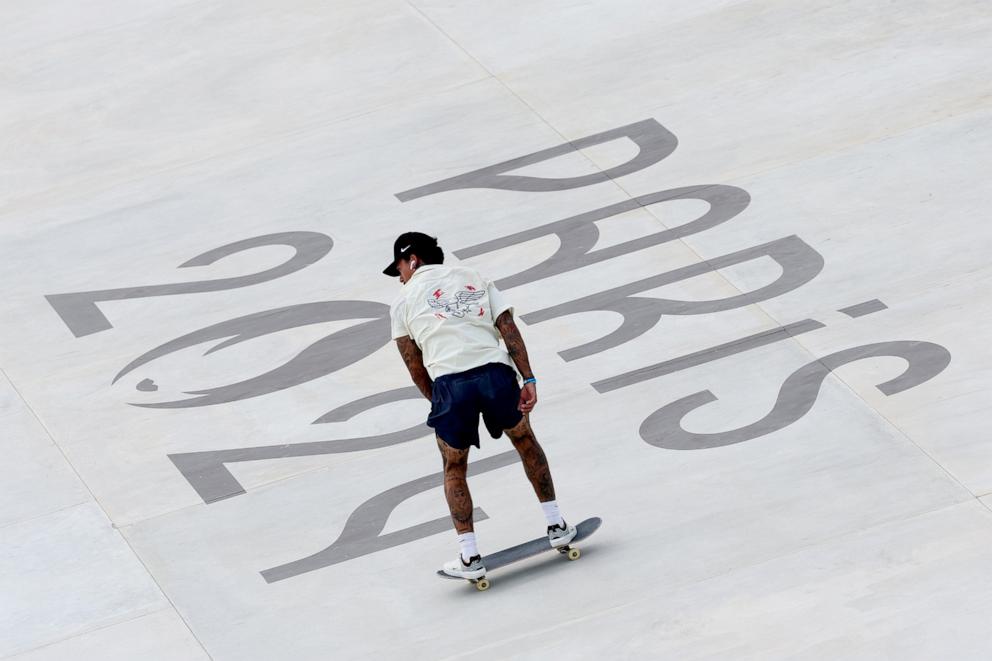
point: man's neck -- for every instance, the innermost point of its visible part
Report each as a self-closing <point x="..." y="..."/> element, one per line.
<point x="421" y="268"/>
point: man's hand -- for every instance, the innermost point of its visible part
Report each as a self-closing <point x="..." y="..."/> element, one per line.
<point x="528" y="398"/>
<point x="518" y="352"/>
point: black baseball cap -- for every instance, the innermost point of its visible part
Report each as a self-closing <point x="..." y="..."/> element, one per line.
<point x="406" y="244"/>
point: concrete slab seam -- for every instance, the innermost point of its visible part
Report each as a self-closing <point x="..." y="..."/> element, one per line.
<point x="48" y="433"/>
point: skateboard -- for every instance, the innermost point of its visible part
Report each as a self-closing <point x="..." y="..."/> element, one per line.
<point x="528" y="549"/>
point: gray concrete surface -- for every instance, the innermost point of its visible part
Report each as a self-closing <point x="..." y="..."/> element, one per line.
<point x="747" y="244"/>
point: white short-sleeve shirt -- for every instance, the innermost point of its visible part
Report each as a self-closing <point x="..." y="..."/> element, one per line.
<point x="450" y="312"/>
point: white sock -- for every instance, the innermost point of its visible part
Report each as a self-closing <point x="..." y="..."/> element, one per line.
<point x="551" y="513"/>
<point x="467" y="544"/>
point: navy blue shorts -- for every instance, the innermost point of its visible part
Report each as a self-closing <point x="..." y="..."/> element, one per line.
<point x="458" y="399"/>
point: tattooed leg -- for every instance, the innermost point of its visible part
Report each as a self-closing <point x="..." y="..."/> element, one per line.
<point x="456" y="486"/>
<point x="532" y="456"/>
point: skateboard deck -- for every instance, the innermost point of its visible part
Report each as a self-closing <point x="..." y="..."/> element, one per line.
<point x="529" y="549"/>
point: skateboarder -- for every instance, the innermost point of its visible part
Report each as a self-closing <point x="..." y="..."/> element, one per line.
<point x="447" y="323"/>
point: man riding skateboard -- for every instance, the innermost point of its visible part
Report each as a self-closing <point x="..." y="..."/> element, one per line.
<point x="447" y="323"/>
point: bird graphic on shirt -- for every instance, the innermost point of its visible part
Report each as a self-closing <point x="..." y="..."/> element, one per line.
<point x="458" y="306"/>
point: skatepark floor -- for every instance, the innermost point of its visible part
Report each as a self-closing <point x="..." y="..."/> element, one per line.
<point x="746" y="243"/>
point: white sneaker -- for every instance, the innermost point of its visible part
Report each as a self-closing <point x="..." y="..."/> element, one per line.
<point x="561" y="535"/>
<point x="460" y="569"/>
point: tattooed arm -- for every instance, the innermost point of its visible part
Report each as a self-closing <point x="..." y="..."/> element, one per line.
<point x="514" y="343"/>
<point x="414" y="360"/>
<point x="518" y="352"/>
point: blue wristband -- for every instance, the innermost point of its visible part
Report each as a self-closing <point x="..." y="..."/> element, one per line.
<point x="530" y="380"/>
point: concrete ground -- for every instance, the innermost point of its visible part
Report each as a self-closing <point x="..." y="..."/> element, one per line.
<point x="747" y="245"/>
